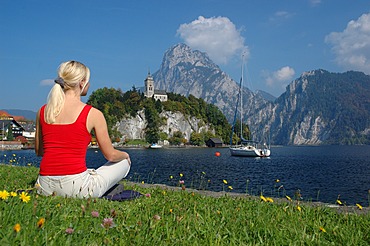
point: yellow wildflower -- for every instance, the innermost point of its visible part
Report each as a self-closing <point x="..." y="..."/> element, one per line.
<point x="142" y="182"/>
<point x="41" y="222"/>
<point x="181" y="174"/>
<point x="299" y="208"/>
<point x="288" y="197"/>
<point x="17" y="227"/>
<point x="359" y="206"/>
<point x="269" y="199"/>
<point x="13" y="194"/>
<point x="4" y="194"/>
<point x="277" y="181"/>
<point x="230" y="187"/>
<point x="171" y="177"/>
<point x="24" y="197"/>
<point x="263" y="198"/>
<point x="171" y="210"/>
<point x="322" y="229"/>
<point x="339" y="202"/>
<point x="225" y="181"/>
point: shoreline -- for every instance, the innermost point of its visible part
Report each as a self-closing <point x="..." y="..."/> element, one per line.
<point x="344" y="209"/>
<point x="217" y="194"/>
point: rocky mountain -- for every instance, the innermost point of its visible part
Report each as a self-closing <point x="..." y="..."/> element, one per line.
<point x="184" y="71"/>
<point x="317" y="108"/>
<point x="267" y="96"/>
<point x="323" y="108"/>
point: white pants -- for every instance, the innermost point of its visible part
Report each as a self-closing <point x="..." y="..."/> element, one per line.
<point x="90" y="183"/>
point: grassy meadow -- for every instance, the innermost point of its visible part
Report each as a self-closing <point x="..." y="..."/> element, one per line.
<point x="169" y="216"/>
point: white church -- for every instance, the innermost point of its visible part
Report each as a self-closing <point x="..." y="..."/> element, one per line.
<point x="149" y="90"/>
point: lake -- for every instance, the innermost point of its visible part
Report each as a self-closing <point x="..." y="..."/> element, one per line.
<point x="318" y="173"/>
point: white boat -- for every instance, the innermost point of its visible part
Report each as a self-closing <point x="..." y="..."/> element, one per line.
<point x="246" y="148"/>
<point x="155" y="146"/>
<point x="250" y="149"/>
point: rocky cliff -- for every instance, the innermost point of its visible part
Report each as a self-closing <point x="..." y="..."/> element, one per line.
<point x="134" y="127"/>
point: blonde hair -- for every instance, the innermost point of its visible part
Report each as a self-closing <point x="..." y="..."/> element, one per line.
<point x="70" y="74"/>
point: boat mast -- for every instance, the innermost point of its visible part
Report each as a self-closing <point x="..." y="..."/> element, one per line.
<point x="241" y="100"/>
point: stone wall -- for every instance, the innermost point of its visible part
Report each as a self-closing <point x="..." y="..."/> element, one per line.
<point x="10" y="145"/>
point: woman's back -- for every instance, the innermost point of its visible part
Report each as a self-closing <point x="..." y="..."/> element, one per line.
<point x="65" y="144"/>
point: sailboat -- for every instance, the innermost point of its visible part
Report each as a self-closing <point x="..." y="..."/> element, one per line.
<point x="246" y="148"/>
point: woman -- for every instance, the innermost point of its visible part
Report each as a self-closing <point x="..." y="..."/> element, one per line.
<point x="63" y="128"/>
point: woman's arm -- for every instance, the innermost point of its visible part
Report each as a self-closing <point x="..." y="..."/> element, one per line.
<point x="39" y="147"/>
<point x="96" y="121"/>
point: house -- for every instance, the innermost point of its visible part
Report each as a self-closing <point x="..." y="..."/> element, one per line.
<point x="8" y="122"/>
<point x="214" y="142"/>
<point x="149" y="90"/>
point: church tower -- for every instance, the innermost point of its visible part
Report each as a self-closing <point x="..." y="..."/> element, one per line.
<point x="149" y="90"/>
<point x="149" y="85"/>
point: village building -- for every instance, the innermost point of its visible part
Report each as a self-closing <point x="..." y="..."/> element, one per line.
<point x="7" y="123"/>
<point x="16" y="132"/>
<point x="149" y="90"/>
<point x="214" y="142"/>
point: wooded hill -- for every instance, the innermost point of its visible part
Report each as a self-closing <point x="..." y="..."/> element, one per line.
<point x="115" y="104"/>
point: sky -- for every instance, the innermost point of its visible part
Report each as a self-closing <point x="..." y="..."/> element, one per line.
<point x="120" y="41"/>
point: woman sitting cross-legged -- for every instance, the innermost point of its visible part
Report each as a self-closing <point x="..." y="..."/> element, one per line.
<point x="63" y="128"/>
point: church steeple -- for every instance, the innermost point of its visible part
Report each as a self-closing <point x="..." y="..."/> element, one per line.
<point x="150" y="92"/>
<point x="149" y="85"/>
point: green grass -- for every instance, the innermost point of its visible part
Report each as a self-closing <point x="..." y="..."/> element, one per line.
<point x="169" y="217"/>
<point x="137" y="142"/>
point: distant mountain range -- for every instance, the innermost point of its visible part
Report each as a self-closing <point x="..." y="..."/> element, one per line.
<point x="27" y="114"/>
<point x="319" y="107"/>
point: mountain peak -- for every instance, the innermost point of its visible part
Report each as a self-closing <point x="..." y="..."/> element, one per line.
<point x="182" y="53"/>
<point x="185" y="71"/>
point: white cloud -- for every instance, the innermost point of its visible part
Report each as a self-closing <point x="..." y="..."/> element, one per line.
<point x="217" y="36"/>
<point x="280" y="16"/>
<point x="47" y="82"/>
<point x="352" y="46"/>
<point x="315" y="2"/>
<point x="280" y="78"/>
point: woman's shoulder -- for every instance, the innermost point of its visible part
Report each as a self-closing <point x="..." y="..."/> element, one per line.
<point x="41" y="109"/>
<point x="94" y="111"/>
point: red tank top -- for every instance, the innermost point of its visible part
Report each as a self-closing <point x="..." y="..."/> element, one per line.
<point x="65" y="145"/>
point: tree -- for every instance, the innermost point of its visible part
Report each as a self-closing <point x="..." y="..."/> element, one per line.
<point x="153" y="121"/>
<point x="177" y="138"/>
<point x="196" y="139"/>
<point x="109" y="102"/>
<point x="9" y="135"/>
<point x="163" y="136"/>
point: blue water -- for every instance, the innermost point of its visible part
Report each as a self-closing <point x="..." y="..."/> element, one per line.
<point x="318" y="173"/>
